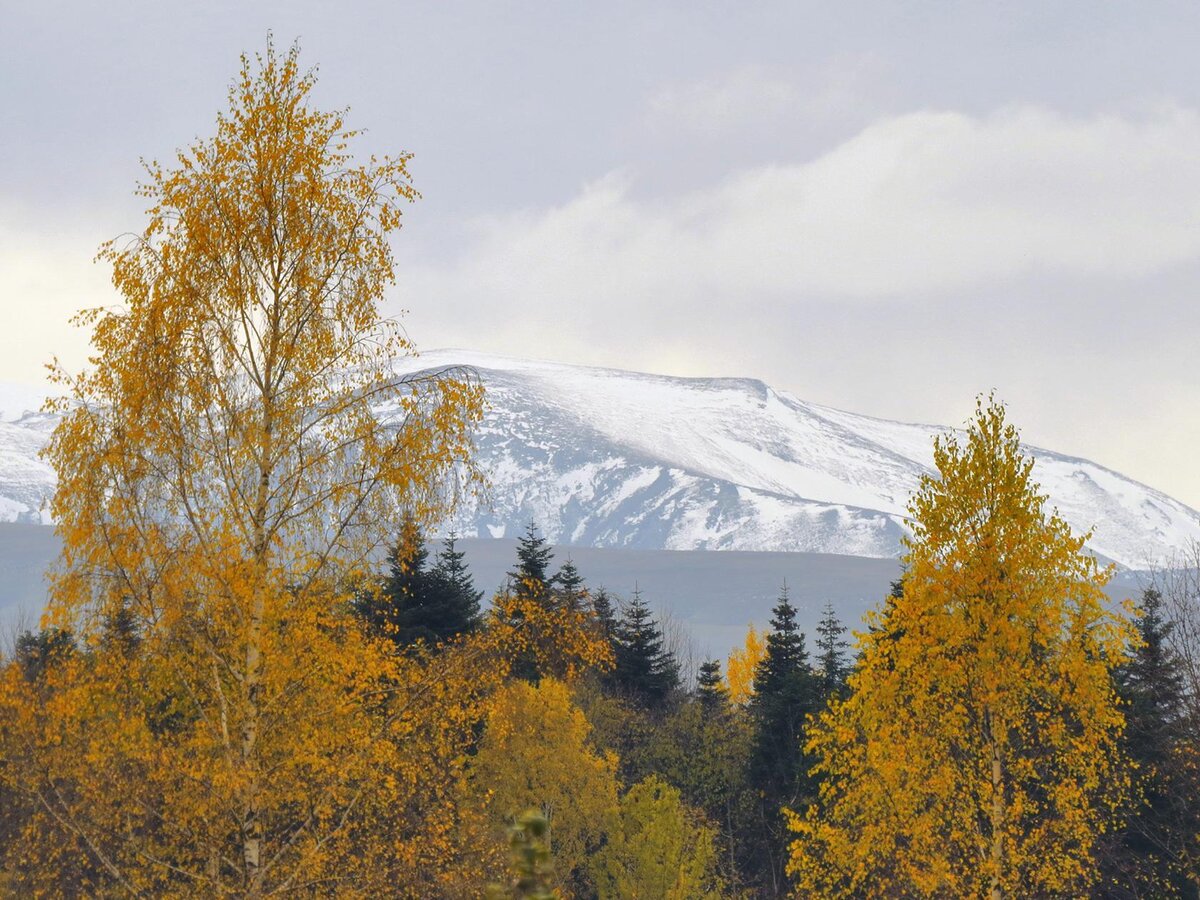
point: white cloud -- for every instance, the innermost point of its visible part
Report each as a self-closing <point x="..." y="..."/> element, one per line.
<point x="931" y="256"/>
<point x="925" y="203"/>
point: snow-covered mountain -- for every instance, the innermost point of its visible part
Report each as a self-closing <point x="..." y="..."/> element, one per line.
<point x="603" y="457"/>
<point x="26" y="481"/>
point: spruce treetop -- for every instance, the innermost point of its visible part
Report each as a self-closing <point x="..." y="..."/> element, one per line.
<point x="644" y="666"/>
<point x="785" y="654"/>
<point x="832" y="657"/>
<point x="606" y="613"/>
<point x="531" y="577"/>
<point x="710" y="688"/>
<point x="570" y="590"/>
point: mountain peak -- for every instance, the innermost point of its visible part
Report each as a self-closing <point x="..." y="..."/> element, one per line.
<point x="607" y="457"/>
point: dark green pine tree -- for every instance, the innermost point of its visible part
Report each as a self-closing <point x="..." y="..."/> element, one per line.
<point x="390" y="609"/>
<point x="710" y="689"/>
<point x="786" y="690"/>
<point x="895" y="592"/>
<point x="886" y="628"/>
<point x="1143" y="858"/>
<point x="415" y="603"/>
<point x="531" y="580"/>
<point x="645" y="670"/>
<point x="832" y="662"/>
<point x="569" y="590"/>
<point x="119" y="629"/>
<point x="606" y="614"/>
<point x="450" y="606"/>
<point x="1151" y="684"/>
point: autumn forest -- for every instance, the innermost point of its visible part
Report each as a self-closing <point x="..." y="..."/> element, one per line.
<point x="263" y="673"/>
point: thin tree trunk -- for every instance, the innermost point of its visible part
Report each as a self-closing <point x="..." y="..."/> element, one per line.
<point x="251" y="812"/>
<point x="997" y="816"/>
<point x="252" y="826"/>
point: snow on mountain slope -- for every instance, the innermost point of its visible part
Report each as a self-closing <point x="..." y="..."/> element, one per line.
<point x="604" y="457"/>
<point x="26" y="481"/>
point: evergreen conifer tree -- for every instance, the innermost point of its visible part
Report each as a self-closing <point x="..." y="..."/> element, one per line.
<point x="1151" y="683"/>
<point x="394" y="609"/>
<point x="710" y="690"/>
<point x="1149" y="855"/>
<point x="570" y="591"/>
<point x="645" y="669"/>
<point x="36" y="652"/>
<point x="120" y="628"/>
<point x="786" y="691"/>
<point x="419" y="603"/>
<point x="530" y="581"/>
<point x="452" y="602"/>
<point x="886" y="626"/>
<point x="831" y="652"/>
<point x="606" y="614"/>
<point x="531" y="578"/>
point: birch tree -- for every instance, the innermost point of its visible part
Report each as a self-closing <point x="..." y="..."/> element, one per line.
<point x="227" y="465"/>
<point x="977" y="752"/>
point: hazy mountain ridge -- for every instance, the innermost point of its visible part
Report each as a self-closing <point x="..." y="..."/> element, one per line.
<point x="609" y="458"/>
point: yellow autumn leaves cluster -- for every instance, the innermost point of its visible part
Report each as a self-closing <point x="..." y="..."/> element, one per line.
<point x="976" y="754"/>
<point x="538" y="752"/>
<point x="741" y="665"/>
<point x="125" y="786"/>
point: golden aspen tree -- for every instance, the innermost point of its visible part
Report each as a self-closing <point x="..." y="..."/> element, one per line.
<point x="742" y="665"/>
<point x="977" y="752"/>
<point x="227" y="467"/>
<point x="536" y="752"/>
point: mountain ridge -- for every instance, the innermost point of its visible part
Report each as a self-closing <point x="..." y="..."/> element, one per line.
<point x="609" y="458"/>
<point x="839" y="465"/>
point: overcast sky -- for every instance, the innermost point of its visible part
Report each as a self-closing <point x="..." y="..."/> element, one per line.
<point x="887" y="207"/>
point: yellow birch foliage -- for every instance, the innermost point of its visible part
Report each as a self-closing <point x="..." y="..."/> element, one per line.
<point x="225" y="473"/>
<point x="742" y="665"/>
<point x="976" y="754"/>
<point x="536" y="752"/>
<point x="431" y="843"/>
<point x="68" y="738"/>
<point x="660" y="850"/>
